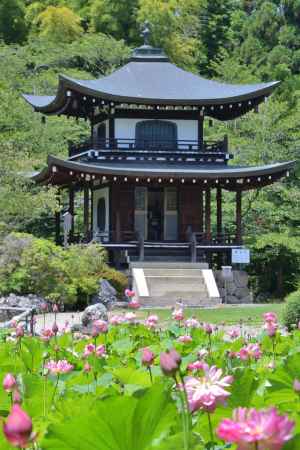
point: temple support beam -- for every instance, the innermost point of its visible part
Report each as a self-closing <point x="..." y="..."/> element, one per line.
<point x="86" y="214"/>
<point x="219" y="212"/>
<point x="239" y="217"/>
<point x="208" y="214"/>
<point x="57" y="221"/>
<point x="71" y="211"/>
<point x="200" y="132"/>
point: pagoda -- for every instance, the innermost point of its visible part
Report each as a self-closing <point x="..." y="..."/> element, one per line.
<point x="147" y="172"/>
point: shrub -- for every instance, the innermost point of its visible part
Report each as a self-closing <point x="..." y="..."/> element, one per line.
<point x="292" y="310"/>
<point x="38" y="266"/>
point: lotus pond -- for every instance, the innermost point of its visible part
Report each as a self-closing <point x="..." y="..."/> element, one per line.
<point x="132" y="385"/>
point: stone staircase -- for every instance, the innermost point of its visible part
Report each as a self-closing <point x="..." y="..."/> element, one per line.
<point x="162" y="284"/>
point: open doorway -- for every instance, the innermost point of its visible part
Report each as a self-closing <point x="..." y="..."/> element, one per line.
<point x="155" y="214"/>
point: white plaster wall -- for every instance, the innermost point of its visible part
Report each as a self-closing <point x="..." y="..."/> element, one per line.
<point x="97" y="194"/>
<point x="186" y="129"/>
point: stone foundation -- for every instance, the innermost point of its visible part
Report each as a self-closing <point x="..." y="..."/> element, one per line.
<point x="237" y="289"/>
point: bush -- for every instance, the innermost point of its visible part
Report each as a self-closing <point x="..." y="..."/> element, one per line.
<point x="291" y="315"/>
<point x="38" y="266"/>
<point x="117" y="279"/>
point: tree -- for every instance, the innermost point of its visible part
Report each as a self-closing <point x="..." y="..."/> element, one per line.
<point x="59" y="24"/>
<point x="116" y="18"/>
<point x="12" y="21"/>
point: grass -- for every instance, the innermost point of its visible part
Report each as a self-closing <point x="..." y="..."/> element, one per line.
<point x="229" y="314"/>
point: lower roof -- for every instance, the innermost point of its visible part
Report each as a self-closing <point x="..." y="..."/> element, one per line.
<point x="64" y="172"/>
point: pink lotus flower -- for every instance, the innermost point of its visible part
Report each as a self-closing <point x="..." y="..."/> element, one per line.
<point x="147" y="357"/>
<point x="47" y="334"/>
<point x="130" y="317"/>
<point x="271" y="328"/>
<point x="233" y="334"/>
<point x="207" y="327"/>
<point x="18" y="428"/>
<point x="270" y="317"/>
<point x="101" y="325"/>
<point x="151" y="321"/>
<point x="55" y="328"/>
<point x="192" y="323"/>
<point x="55" y="308"/>
<point x="116" y="320"/>
<point x="59" y="367"/>
<point x="251" y="351"/>
<point x="296" y="385"/>
<point x="251" y="429"/>
<point x="207" y="392"/>
<point x="186" y="339"/>
<point x="134" y="304"/>
<point x="198" y="365"/>
<point x="89" y="349"/>
<point x="20" y="331"/>
<point x="87" y="368"/>
<point x="9" y="383"/>
<point x="129" y="293"/>
<point x="202" y="353"/>
<point x="178" y="314"/>
<point x="101" y="351"/>
<point x="170" y="362"/>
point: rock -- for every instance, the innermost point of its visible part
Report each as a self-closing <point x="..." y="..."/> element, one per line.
<point x="242" y="292"/>
<point x="232" y="300"/>
<point x="240" y="278"/>
<point x="22" y="301"/>
<point x="92" y="313"/>
<point x="230" y="288"/>
<point x="106" y="295"/>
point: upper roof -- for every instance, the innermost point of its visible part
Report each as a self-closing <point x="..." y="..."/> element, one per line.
<point x="149" y="78"/>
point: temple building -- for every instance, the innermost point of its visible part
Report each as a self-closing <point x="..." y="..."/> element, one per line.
<point x="147" y="173"/>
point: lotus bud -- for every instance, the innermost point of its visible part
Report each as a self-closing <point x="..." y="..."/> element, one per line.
<point x="18" y="428"/>
<point x="9" y="383"/>
<point x="147" y="357"/>
<point x="170" y="362"/>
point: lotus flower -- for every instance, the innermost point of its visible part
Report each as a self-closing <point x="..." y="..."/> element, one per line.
<point x="207" y="392"/>
<point x="270" y="317"/>
<point x="20" y="331"/>
<point x="271" y="328"/>
<point x="9" y="383"/>
<point x="47" y="334"/>
<point x="234" y="333"/>
<point x="101" y="325"/>
<point x="151" y="321"/>
<point x="192" y="323"/>
<point x="208" y="328"/>
<point x="170" y="362"/>
<point x="59" y="367"/>
<point x="178" y="314"/>
<point x="18" y="428"/>
<point x="251" y="429"/>
<point x="101" y="351"/>
<point x="296" y="386"/>
<point x="134" y="304"/>
<point x="147" y="357"/>
<point x="251" y="351"/>
<point x="89" y="349"/>
<point x="186" y="339"/>
<point x="198" y="365"/>
<point x="130" y="317"/>
<point x="129" y="293"/>
<point x="116" y="320"/>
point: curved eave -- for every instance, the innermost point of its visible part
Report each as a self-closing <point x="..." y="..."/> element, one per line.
<point x="63" y="172"/>
<point x="60" y="103"/>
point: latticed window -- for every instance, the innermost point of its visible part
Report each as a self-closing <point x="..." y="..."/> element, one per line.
<point x="156" y="134"/>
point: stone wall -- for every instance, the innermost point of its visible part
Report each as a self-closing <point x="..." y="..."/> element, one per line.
<point x="237" y="289"/>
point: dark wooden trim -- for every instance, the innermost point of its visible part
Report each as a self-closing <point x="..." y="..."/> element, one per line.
<point x="92" y="213"/>
<point x="239" y="216"/>
<point x="57" y="221"/>
<point x="111" y="128"/>
<point x="86" y="200"/>
<point x="200" y="131"/>
<point x="208" y="214"/>
<point x="71" y="210"/>
<point x="201" y="210"/>
<point x="156" y="114"/>
<point x="219" y="210"/>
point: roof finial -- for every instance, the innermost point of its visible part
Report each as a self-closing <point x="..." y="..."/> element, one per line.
<point x="146" y="32"/>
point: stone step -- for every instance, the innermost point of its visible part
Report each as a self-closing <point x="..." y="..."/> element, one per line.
<point x="181" y="287"/>
<point x="168" y="265"/>
<point x="170" y="272"/>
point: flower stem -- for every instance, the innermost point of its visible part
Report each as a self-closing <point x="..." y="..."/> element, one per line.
<point x="185" y="413"/>
<point x="210" y="428"/>
<point x="150" y="374"/>
<point x="54" y="392"/>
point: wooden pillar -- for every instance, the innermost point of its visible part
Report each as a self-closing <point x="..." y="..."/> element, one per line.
<point x="201" y="211"/>
<point x="57" y="221"/>
<point x="86" y="215"/>
<point x="219" y="212"/>
<point x="111" y="132"/>
<point x="71" y="211"/>
<point x="92" y="214"/>
<point x="200" y="132"/>
<point x="239" y="216"/>
<point x="208" y="214"/>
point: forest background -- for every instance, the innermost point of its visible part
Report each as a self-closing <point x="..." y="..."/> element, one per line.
<point x="237" y="41"/>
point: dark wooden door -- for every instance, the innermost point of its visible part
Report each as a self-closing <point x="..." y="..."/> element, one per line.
<point x="190" y="210"/>
<point x="122" y="211"/>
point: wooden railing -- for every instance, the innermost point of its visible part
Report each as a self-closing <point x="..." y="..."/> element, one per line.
<point x="146" y="145"/>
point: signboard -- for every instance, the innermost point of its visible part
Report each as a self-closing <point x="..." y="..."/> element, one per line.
<point x="240" y="256"/>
